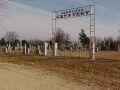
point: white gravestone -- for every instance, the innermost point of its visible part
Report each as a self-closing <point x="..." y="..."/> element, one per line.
<point x="39" y="50"/>
<point x="55" y="49"/>
<point x="25" y="49"/>
<point x="9" y="48"/>
<point x="28" y="51"/>
<point x="45" y="49"/>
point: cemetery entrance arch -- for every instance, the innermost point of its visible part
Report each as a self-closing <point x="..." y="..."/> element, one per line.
<point x="88" y="10"/>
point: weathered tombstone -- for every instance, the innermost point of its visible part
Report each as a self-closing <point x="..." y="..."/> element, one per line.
<point x="20" y="46"/>
<point x="62" y="47"/>
<point x="96" y="49"/>
<point x="28" y="51"/>
<point x="7" y="45"/>
<point x="55" y="49"/>
<point x="45" y="49"/>
<point x="6" y="50"/>
<point x="39" y="50"/>
<point x="9" y="48"/>
<point x="33" y="48"/>
<point x="30" y="47"/>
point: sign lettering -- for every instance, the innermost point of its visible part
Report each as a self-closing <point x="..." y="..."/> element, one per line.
<point x="71" y="13"/>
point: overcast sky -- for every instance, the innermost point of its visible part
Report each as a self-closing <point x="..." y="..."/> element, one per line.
<point x="31" y="19"/>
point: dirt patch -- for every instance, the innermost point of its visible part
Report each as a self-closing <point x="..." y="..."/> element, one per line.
<point x="17" y="77"/>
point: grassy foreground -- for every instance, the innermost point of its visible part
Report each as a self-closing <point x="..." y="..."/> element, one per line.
<point x="103" y="72"/>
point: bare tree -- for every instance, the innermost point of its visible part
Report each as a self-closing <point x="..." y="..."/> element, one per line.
<point x="11" y="36"/>
<point x="67" y="39"/>
<point x="36" y="42"/>
<point x="60" y="36"/>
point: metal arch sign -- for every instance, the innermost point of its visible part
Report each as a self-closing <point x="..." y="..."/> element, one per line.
<point x="72" y="13"/>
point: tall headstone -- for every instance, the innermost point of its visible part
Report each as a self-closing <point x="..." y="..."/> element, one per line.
<point x="25" y="49"/>
<point x="39" y="50"/>
<point x="17" y="46"/>
<point x="20" y="46"/>
<point x="9" y="48"/>
<point x="6" y="50"/>
<point x="45" y="49"/>
<point x="28" y="51"/>
<point x="55" y="49"/>
<point x="30" y="47"/>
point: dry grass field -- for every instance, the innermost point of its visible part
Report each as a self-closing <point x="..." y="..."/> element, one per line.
<point x="108" y="55"/>
<point x="104" y="72"/>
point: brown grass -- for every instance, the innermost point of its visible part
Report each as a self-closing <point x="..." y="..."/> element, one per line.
<point x="103" y="72"/>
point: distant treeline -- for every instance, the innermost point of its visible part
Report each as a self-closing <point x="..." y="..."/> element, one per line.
<point x="63" y="39"/>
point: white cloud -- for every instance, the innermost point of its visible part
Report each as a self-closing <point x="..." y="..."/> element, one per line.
<point x="30" y="22"/>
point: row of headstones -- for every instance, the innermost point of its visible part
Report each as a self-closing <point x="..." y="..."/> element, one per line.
<point x="8" y="48"/>
<point x="41" y="50"/>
